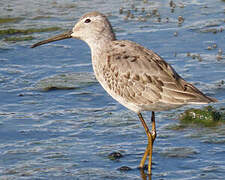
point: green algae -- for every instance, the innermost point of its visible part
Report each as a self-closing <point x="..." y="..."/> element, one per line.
<point x="27" y="31"/>
<point x="17" y="39"/>
<point x="41" y="17"/>
<point x="10" y="20"/>
<point x="16" y="35"/>
<point x="206" y="117"/>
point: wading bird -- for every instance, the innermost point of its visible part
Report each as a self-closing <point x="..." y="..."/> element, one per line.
<point x="135" y="76"/>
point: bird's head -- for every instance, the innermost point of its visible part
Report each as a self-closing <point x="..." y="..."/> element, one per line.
<point x="92" y="28"/>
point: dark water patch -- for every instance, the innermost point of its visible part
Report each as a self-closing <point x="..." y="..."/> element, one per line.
<point x="41" y="17"/>
<point x="65" y="6"/>
<point x="176" y="127"/>
<point x="124" y="168"/>
<point x="179" y="152"/>
<point x="22" y="94"/>
<point x="3" y="49"/>
<point x="207" y="26"/>
<point x="215" y="140"/>
<point x="212" y="30"/>
<point x="66" y="81"/>
<point x="56" y="155"/>
<point x="115" y="156"/>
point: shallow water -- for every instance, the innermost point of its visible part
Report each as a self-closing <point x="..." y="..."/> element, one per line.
<point x="56" y="122"/>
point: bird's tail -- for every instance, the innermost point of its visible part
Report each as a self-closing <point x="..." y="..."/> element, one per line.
<point x="211" y="99"/>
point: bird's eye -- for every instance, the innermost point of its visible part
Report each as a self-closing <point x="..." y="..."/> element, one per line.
<point x="87" y="21"/>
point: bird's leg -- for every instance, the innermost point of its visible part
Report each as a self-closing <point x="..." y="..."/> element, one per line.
<point x="151" y="138"/>
<point x="153" y="126"/>
<point x="148" y="151"/>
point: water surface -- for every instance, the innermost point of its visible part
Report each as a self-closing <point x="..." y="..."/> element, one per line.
<point x="56" y="122"/>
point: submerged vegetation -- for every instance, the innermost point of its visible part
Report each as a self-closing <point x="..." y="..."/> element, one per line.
<point x="65" y="81"/>
<point x="15" y="35"/>
<point x="207" y="117"/>
<point x="10" y="20"/>
<point x="16" y="39"/>
<point x="27" y="31"/>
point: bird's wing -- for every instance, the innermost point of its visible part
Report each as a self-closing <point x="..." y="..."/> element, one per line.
<point x="142" y="77"/>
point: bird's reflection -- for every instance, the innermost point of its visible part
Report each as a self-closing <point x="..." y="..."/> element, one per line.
<point x="145" y="176"/>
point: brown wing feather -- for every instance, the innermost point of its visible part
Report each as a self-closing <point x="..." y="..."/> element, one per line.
<point x="144" y="78"/>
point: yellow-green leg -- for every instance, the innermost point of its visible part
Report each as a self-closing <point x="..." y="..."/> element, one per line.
<point x="151" y="137"/>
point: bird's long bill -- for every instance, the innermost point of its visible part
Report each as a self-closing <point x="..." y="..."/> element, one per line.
<point x="65" y="35"/>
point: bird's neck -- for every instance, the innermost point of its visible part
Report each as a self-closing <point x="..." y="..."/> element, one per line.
<point x="99" y="50"/>
<point x="98" y="45"/>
